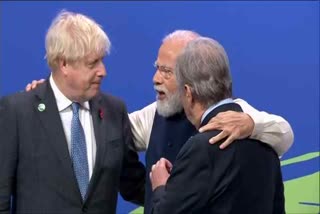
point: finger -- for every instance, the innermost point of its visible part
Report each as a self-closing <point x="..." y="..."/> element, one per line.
<point x="153" y="167"/>
<point x="163" y="160"/>
<point x="226" y="143"/>
<point x="159" y="164"/>
<point x="28" y="87"/>
<point x="221" y="115"/>
<point x="169" y="164"/>
<point x="150" y="175"/>
<point x="223" y="134"/>
<point x="163" y="164"/>
<point x="34" y="84"/>
<point x="42" y="80"/>
<point x="225" y="114"/>
<point x="210" y="126"/>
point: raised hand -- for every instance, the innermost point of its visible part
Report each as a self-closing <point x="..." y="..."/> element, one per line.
<point x="34" y="84"/>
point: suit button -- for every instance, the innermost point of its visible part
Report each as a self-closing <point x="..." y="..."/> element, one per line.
<point x="170" y="144"/>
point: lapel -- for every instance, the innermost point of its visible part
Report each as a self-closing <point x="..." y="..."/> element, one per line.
<point x="97" y="111"/>
<point x="53" y="127"/>
<point x="104" y="114"/>
<point x="222" y="108"/>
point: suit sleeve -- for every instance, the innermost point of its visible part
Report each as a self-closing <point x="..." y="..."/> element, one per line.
<point x="269" y="128"/>
<point x="188" y="187"/>
<point x="132" y="180"/>
<point x="8" y="155"/>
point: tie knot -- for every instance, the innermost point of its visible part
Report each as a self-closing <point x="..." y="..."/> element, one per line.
<point x="75" y="107"/>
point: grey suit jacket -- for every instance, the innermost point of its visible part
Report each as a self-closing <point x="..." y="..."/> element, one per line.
<point x="36" y="174"/>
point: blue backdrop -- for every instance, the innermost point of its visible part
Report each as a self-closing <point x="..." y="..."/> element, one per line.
<point x="273" y="49"/>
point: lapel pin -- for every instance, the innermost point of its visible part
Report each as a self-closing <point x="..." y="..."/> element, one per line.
<point x="101" y="114"/>
<point x="41" y="107"/>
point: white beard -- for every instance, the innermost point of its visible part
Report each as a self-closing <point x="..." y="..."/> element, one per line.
<point x="170" y="105"/>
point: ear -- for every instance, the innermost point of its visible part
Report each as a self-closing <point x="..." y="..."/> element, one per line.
<point x="188" y="93"/>
<point x="63" y="66"/>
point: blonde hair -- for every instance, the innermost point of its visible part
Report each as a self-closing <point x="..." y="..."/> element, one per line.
<point x="72" y="37"/>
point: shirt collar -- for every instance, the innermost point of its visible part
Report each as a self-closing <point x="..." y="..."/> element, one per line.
<point x="211" y="108"/>
<point x="62" y="101"/>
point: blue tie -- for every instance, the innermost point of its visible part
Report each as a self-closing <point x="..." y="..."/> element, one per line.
<point x="79" y="151"/>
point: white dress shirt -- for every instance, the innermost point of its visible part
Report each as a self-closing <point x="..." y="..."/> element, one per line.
<point x="268" y="128"/>
<point x="65" y="111"/>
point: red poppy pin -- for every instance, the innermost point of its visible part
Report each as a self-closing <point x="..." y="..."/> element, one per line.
<point x="101" y="113"/>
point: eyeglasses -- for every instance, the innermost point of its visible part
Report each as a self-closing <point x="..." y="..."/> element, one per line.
<point x="165" y="71"/>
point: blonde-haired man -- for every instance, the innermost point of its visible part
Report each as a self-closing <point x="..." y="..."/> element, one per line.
<point x="65" y="147"/>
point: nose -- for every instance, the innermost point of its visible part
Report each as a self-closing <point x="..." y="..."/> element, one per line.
<point x="157" y="78"/>
<point x="102" y="71"/>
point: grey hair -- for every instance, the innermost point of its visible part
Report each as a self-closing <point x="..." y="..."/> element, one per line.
<point x="204" y="66"/>
<point x="72" y="37"/>
<point x="183" y="35"/>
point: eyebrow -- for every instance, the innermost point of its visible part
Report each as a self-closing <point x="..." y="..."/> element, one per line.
<point x="95" y="60"/>
<point x="163" y="66"/>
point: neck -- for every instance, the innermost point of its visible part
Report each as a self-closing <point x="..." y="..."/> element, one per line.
<point x="62" y="86"/>
<point x="196" y="114"/>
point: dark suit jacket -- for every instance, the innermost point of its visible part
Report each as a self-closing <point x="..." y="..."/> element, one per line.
<point x="35" y="165"/>
<point x="243" y="178"/>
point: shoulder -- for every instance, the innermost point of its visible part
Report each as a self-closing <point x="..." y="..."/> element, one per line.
<point x="18" y="99"/>
<point x="150" y="108"/>
<point x="144" y="115"/>
<point x="23" y="98"/>
<point x="113" y="105"/>
<point x="112" y="100"/>
<point x="19" y="104"/>
<point x="200" y="143"/>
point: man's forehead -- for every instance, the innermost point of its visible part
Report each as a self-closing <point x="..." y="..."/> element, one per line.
<point x="172" y="46"/>
<point x="165" y="62"/>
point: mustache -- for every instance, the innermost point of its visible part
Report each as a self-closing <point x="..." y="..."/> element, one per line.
<point x="160" y="88"/>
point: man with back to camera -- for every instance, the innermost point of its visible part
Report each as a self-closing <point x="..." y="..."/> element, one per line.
<point x="65" y="147"/>
<point x="162" y="127"/>
<point x="243" y="178"/>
